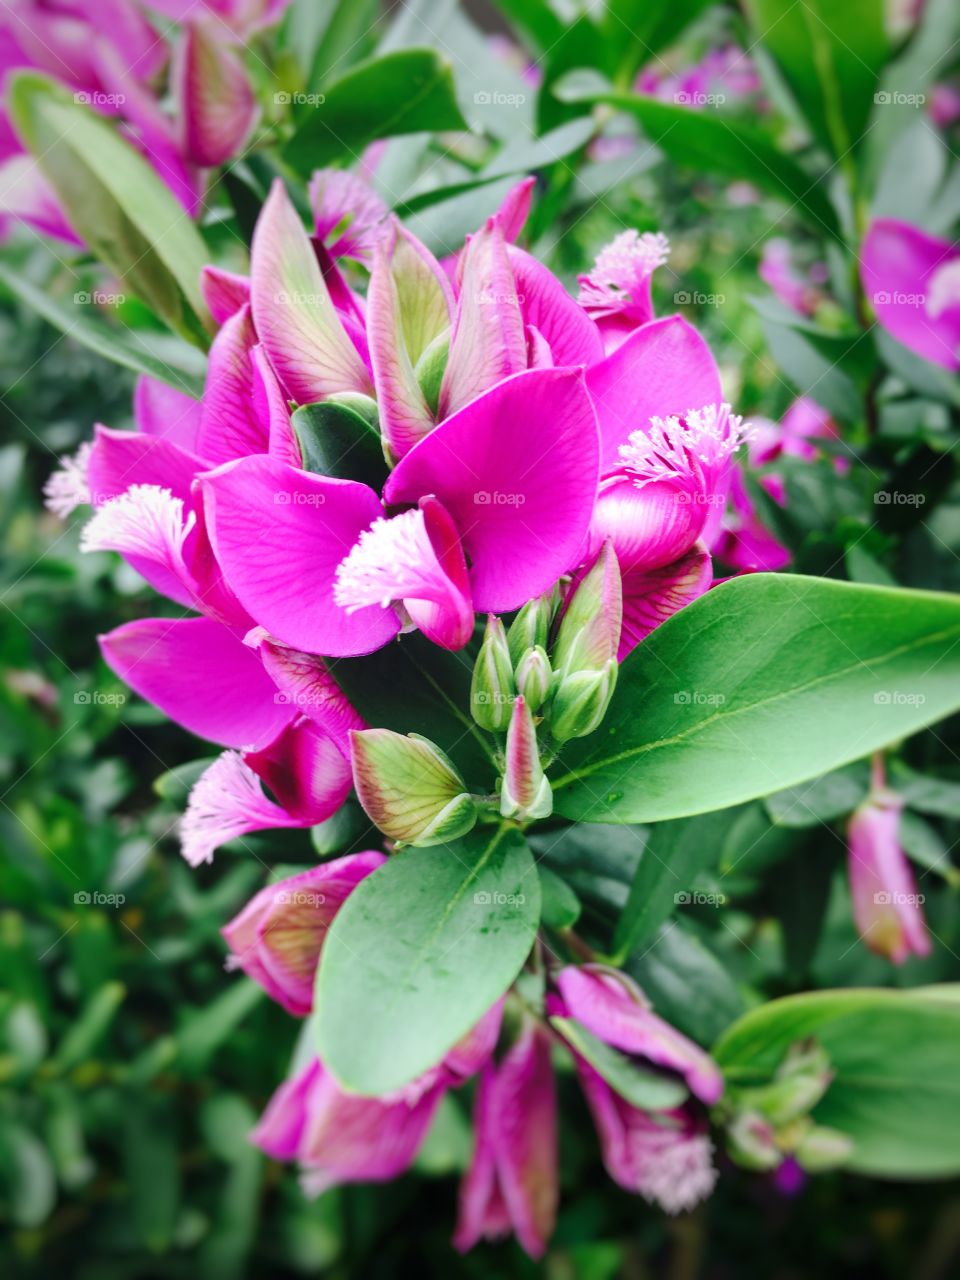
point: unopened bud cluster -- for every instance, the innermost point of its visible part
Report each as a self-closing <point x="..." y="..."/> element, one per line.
<point x="548" y="679"/>
<point x="768" y="1123"/>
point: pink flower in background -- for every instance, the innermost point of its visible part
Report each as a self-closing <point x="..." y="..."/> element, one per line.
<point x="743" y="541"/>
<point x="278" y="936"/>
<point x="338" y="1137"/>
<point x="912" y="281"/>
<point x="665" y="1156"/>
<point x="944" y="106"/>
<point x="512" y="1182"/>
<point x="800" y="292"/>
<point x="722" y="75"/>
<point x="886" y="906"/>
<point x="616" y="291"/>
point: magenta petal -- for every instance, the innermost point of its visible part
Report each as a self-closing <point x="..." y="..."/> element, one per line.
<point x="517" y="470"/>
<point x="230" y="426"/>
<point x="482" y="1212"/>
<point x="649" y="526"/>
<point x="224" y="292"/>
<point x="272" y="408"/>
<point x="886" y="906"/>
<point x="161" y="410"/>
<point x="305" y="771"/>
<point x="302" y="526"/>
<point x="25" y="194"/>
<point x="570" y="333"/>
<point x="605" y="1006"/>
<point x="515" y="209"/>
<point x="448" y="619"/>
<point x="344" y="203"/>
<point x="218" y="108"/>
<point x="200" y="674"/>
<point x="280" y="1129"/>
<point x="651" y="596"/>
<point x="476" y="1048"/>
<point x="306" y="685"/>
<point x="663" y="368"/>
<point x="294" y="315"/>
<point x="912" y="281"/>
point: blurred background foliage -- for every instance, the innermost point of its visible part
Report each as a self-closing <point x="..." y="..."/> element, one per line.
<point x="131" y="1066"/>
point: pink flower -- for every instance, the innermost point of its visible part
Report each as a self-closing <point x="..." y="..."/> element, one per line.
<point x="886" y="906"/>
<point x="616" y="291"/>
<point x="338" y="1137"/>
<point x="665" y="1156"/>
<point x="800" y="293"/>
<point x="912" y="281"/>
<point x="512" y="1182"/>
<point x="278" y="936"/>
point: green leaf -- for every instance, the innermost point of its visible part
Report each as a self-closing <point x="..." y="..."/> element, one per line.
<point x="115" y="201"/>
<point x="645" y="1089"/>
<point x="831" y="56"/>
<point x="686" y="983"/>
<point x="560" y="906"/>
<point x="410" y="91"/>
<point x="341" y="440"/>
<point x="713" y="144"/>
<point x="175" y="363"/>
<point x="84" y="1035"/>
<point x="762" y="683"/>
<point x="419" y="952"/>
<point x="820" y="800"/>
<point x="27" y="1169"/>
<point x="645" y="28"/>
<point x="896" y="1091"/>
<point x="673" y="857"/>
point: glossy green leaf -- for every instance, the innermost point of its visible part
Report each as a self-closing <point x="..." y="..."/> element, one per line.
<point x="410" y="91"/>
<point x="341" y="440"/>
<point x="764" y="682"/>
<point x="419" y="952"/>
<point x="896" y="1091"/>
<point x="831" y="56"/>
<point x="115" y="201"/>
<point x="710" y="143"/>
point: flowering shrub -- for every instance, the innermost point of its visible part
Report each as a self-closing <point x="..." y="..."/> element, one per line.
<point x="584" y="664"/>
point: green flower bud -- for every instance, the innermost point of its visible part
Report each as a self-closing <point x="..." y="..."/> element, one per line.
<point x="524" y="789"/>
<point x="589" y="634"/>
<point x="492" y="688"/>
<point x="822" y="1149"/>
<point x="531" y="627"/>
<point x="430" y="368"/>
<point x="409" y="788"/>
<point x="534" y="677"/>
<point x="581" y="701"/>
<point x="752" y="1143"/>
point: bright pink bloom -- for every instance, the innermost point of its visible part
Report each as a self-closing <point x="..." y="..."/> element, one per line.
<point x="912" y="281"/>
<point x="616" y="291"/>
<point x="519" y="515"/>
<point x="798" y="292"/>
<point x="512" y="1183"/>
<point x="278" y="936"/>
<point x="886" y="906"/>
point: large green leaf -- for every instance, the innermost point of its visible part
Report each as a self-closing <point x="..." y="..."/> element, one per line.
<point x="642" y="29"/>
<point x="708" y="142"/>
<point x="410" y="91"/>
<point x="831" y="56"/>
<point x="419" y="952"/>
<point x="172" y="362"/>
<point x="762" y="683"/>
<point x="897" y="1061"/>
<point x="115" y="201"/>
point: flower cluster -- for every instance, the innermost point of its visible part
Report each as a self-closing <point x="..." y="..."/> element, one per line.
<point x="462" y="438"/>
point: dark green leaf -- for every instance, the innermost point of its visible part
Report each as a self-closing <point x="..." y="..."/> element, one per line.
<point x="831" y="671"/>
<point x="410" y="91"/>
<point x="560" y="906"/>
<point x="686" y="983"/>
<point x="341" y="440"/>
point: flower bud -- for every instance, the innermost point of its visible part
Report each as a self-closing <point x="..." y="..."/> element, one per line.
<point x="431" y="367"/>
<point x="524" y="789"/>
<point x="822" y="1149"/>
<point x="534" y="677"/>
<point x="492" y="687"/>
<point x="409" y="788"/>
<point x="581" y="701"/>
<point x="589" y="634"/>
<point x="787" y="1099"/>
<point x="752" y="1143"/>
<point x="531" y="627"/>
